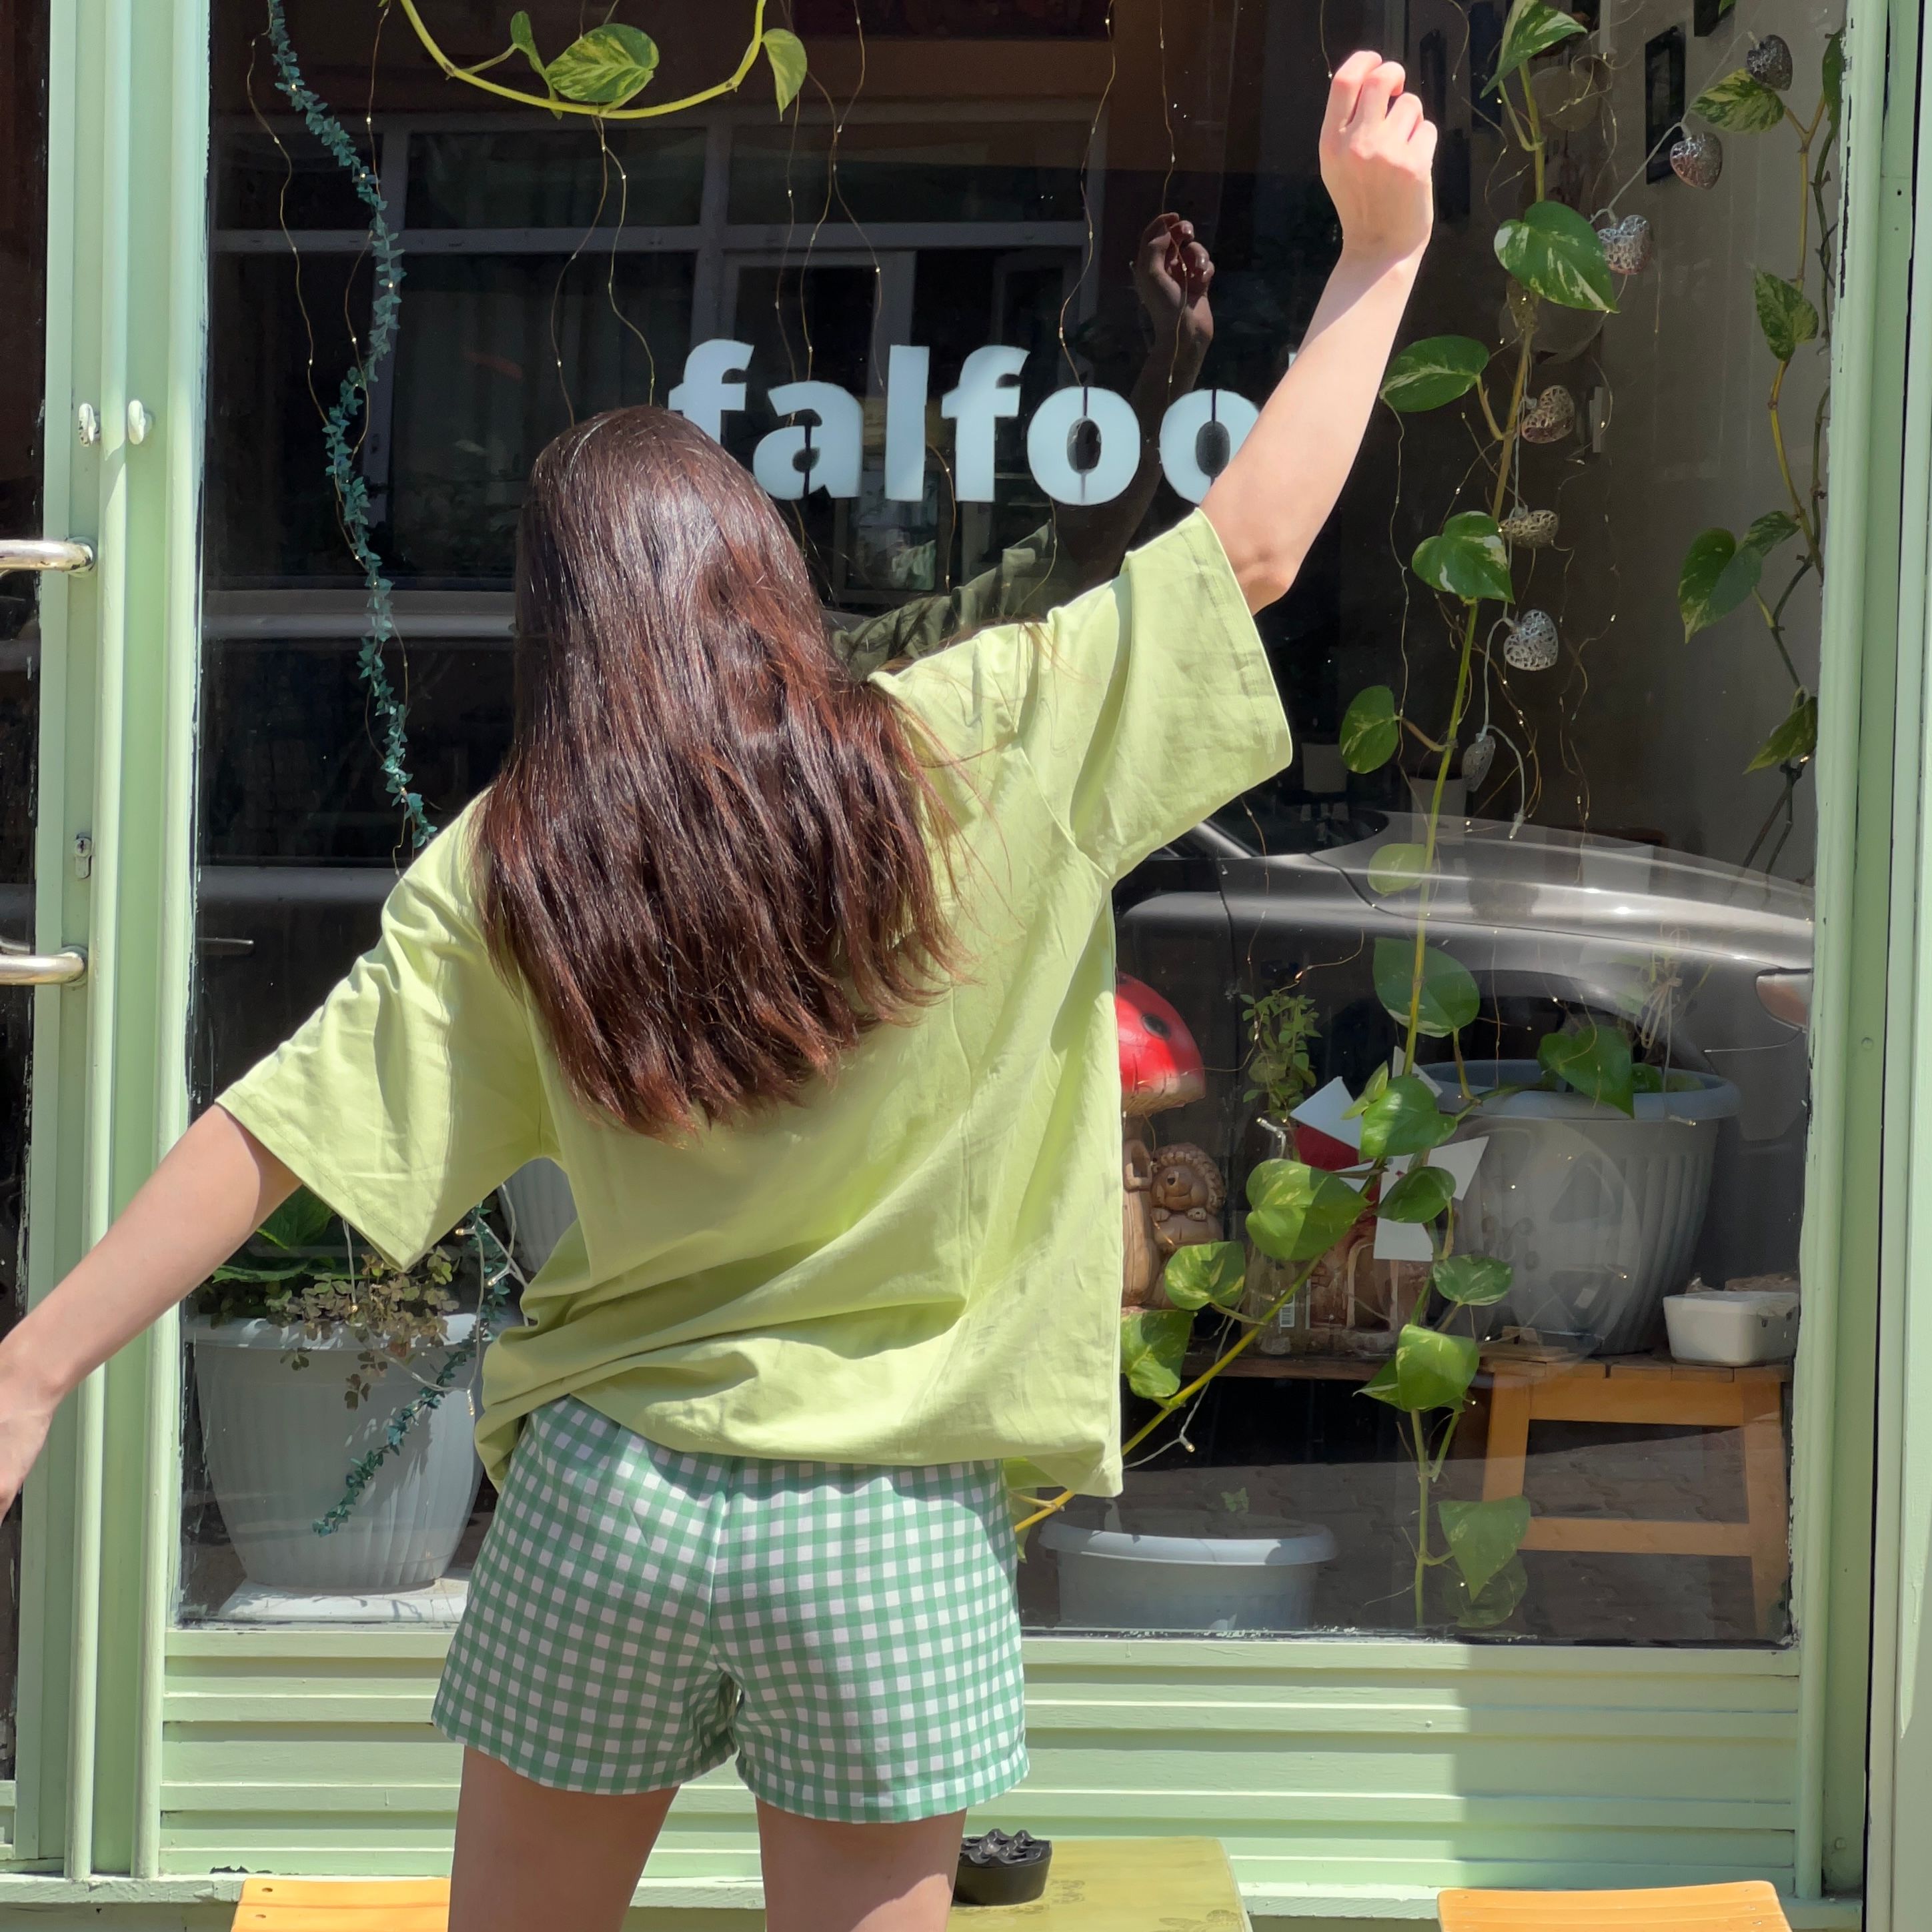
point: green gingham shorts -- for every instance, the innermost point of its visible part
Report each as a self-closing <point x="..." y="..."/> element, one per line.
<point x="637" y="1613"/>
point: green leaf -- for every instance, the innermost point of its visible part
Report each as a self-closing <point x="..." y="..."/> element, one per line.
<point x="1794" y="740"/>
<point x="786" y="53"/>
<point x="1154" y="1344"/>
<point x="1483" y="1537"/>
<point x="1718" y="574"/>
<point x="1784" y="313"/>
<point x="1831" y="77"/>
<point x="1404" y="1118"/>
<point x="1428" y="1370"/>
<point x="1495" y="1604"/>
<point x="1554" y="252"/>
<point x="1370" y="730"/>
<point x="1449" y="1000"/>
<point x="1297" y="1212"/>
<point x="276" y="1271"/>
<point x="604" y="67"/>
<point x="1425" y="375"/>
<point x="1471" y="1281"/>
<point x="1469" y="560"/>
<point x="1378" y="1086"/>
<point x="297" y="1222"/>
<point x="1595" y="1060"/>
<point x="1531" y="28"/>
<point x="1419" y="1196"/>
<point x="1765" y="535"/>
<point x="1646" y="1079"/>
<point x="525" y="42"/>
<point x="1739" y="104"/>
<point x="1205" y="1271"/>
<point x="1396" y="867"/>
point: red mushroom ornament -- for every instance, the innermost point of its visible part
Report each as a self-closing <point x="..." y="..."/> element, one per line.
<point x="1160" y="1067"/>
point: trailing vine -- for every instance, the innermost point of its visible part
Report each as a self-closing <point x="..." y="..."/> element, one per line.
<point x="387" y="716"/>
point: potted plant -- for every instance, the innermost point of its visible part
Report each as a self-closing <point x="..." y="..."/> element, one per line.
<point x="313" y="1360"/>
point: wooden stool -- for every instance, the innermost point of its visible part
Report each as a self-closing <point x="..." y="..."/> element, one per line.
<point x="1642" y="1390"/>
<point x="1096" y="1884"/>
<point x="1751" y="1907"/>
<point x="344" y="1905"/>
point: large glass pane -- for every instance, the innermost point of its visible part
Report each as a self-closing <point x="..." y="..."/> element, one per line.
<point x="1611" y="857"/>
<point x="23" y="321"/>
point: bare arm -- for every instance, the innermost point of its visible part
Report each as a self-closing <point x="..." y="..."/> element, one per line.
<point x="215" y="1187"/>
<point x="1270" y="503"/>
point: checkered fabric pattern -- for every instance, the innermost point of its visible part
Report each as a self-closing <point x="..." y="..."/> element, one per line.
<point x="637" y="1612"/>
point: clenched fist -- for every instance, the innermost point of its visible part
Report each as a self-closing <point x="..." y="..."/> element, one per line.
<point x="1377" y="147"/>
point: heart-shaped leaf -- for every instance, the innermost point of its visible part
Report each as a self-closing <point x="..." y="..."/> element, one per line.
<point x="1404" y="1118"/>
<point x="1449" y="999"/>
<point x="1832" y="76"/>
<point x="1204" y="1272"/>
<point x="1377" y="1086"/>
<point x="1493" y="1605"/>
<point x="604" y="67"/>
<point x="1595" y="1060"/>
<point x="1770" y="530"/>
<point x="1483" y="1537"/>
<point x="525" y="42"/>
<point x="1471" y="1281"/>
<point x="1739" y="104"/>
<point x="1425" y="375"/>
<point x="1428" y="1370"/>
<point x="1153" y="1344"/>
<point x="1552" y="250"/>
<point x="1794" y="740"/>
<point x="1370" y="730"/>
<point x="1469" y="560"/>
<point x="1532" y="27"/>
<point x="1718" y="574"/>
<point x="1420" y="1195"/>
<point x="1396" y="867"/>
<point x="786" y="53"/>
<point x="1784" y="312"/>
<point x="1297" y="1212"/>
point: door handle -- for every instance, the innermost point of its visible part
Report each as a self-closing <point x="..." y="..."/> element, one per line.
<point x="67" y="967"/>
<point x="45" y="554"/>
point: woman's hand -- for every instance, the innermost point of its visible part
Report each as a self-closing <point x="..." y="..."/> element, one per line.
<point x="1377" y="149"/>
<point x="1172" y="274"/>
<point x="24" y="1417"/>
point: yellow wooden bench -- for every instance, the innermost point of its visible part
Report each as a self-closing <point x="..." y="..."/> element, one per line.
<point x="1751" y="1907"/>
<point x="1096" y="1884"/>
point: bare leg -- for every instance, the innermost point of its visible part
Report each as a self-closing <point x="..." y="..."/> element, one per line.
<point x="822" y="1877"/>
<point x="528" y="1856"/>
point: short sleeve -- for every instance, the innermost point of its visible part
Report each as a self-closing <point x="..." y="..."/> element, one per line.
<point x="1140" y="708"/>
<point x="413" y="1090"/>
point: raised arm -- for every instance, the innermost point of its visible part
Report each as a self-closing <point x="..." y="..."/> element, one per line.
<point x="1270" y="501"/>
<point x="216" y="1186"/>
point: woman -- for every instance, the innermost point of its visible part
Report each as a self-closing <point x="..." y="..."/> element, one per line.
<point x="806" y="981"/>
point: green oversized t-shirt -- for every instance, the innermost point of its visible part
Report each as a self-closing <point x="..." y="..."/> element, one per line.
<point x="921" y="1263"/>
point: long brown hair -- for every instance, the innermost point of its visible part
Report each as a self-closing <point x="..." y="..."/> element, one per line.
<point x="708" y="857"/>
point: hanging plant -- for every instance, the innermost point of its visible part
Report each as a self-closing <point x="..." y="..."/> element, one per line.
<point x="604" y="71"/>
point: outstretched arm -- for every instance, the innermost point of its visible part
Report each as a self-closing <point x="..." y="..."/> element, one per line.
<point x="216" y="1186"/>
<point x="1270" y="501"/>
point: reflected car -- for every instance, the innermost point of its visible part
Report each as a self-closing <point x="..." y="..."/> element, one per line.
<point x="1709" y="964"/>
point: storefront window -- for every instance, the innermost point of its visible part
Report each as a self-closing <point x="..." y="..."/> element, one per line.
<point x="1546" y="860"/>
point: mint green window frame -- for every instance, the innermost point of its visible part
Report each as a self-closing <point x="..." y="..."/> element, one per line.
<point x="159" y="1753"/>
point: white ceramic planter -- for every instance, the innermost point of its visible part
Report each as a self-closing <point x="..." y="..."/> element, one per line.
<point x="1734" y="1326"/>
<point x="1598" y="1213"/>
<point x="540" y="1198"/>
<point x="280" y="1441"/>
<point x="1123" y="1579"/>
